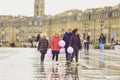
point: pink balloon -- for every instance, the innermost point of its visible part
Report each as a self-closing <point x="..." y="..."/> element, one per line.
<point x="70" y="50"/>
<point x="61" y="43"/>
<point x="62" y="50"/>
<point x="49" y="53"/>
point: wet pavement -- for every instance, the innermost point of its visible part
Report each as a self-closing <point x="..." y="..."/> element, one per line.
<point x="24" y="64"/>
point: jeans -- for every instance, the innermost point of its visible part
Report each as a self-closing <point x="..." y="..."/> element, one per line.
<point x="86" y="45"/>
<point x="55" y="53"/>
<point x="75" y="53"/>
<point x="67" y="55"/>
<point x="101" y="46"/>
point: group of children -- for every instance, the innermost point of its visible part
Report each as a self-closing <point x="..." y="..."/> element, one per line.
<point x="71" y="38"/>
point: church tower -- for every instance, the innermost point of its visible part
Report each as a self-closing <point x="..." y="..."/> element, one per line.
<point x="39" y="8"/>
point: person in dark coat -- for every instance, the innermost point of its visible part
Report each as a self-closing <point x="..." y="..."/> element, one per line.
<point x="38" y="38"/>
<point x="102" y="41"/>
<point x="78" y="41"/>
<point x="74" y="43"/>
<point x="66" y="38"/>
<point x="43" y="46"/>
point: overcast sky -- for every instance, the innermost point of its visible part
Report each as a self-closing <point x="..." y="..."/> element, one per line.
<point x="26" y="7"/>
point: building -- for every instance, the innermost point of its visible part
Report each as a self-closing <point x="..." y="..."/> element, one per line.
<point x="94" y="21"/>
<point x="39" y="8"/>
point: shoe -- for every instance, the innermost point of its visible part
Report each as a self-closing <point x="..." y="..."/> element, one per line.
<point x="57" y="63"/>
<point x="77" y="64"/>
<point x="69" y="63"/>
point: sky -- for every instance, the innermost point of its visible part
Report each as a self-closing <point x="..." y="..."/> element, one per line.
<point x="52" y="7"/>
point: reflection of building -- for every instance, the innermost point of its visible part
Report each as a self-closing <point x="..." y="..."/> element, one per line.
<point x="106" y="20"/>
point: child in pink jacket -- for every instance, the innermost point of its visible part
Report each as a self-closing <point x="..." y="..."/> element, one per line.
<point x="55" y="46"/>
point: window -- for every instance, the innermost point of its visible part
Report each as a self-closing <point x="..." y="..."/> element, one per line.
<point x="37" y="7"/>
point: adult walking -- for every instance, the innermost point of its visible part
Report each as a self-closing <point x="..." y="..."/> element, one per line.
<point x="74" y="43"/>
<point x="66" y="38"/>
<point x="43" y="46"/>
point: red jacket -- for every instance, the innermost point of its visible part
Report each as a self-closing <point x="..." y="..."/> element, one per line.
<point x="54" y="43"/>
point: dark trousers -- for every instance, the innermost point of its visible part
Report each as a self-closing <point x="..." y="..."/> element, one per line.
<point x="55" y="54"/>
<point x="42" y="56"/>
<point x="67" y="55"/>
<point x="75" y="53"/>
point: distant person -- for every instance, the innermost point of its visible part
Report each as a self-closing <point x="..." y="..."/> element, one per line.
<point x="43" y="46"/>
<point x="113" y="41"/>
<point x="55" y="47"/>
<point x="31" y="43"/>
<point x="37" y="40"/>
<point x="0" y="44"/>
<point x="66" y="38"/>
<point x="102" y="41"/>
<point x="12" y="44"/>
<point x="86" y="41"/>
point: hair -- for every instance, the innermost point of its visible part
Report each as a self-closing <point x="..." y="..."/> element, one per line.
<point x="57" y="33"/>
<point x="68" y="28"/>
<point x="74" y="31"/>
<point x="43" y="36"/>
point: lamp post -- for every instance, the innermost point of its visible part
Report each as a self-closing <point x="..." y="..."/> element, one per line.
<point x="94" y="31"/>
<point x="3" y="34"/>
<point x="85" y="26"/>
<point x="101" y="23"/>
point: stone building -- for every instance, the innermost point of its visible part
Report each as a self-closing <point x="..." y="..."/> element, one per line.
<point x="94" y="21"/>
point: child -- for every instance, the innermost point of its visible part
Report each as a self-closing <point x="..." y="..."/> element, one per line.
<point x="55" y="46"/>
<point x="43" y="46"/>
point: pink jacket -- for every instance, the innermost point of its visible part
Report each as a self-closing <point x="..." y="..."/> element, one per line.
<point x="54" y="43"/>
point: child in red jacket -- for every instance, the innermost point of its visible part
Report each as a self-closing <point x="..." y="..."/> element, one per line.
<point x="55" y="46"/>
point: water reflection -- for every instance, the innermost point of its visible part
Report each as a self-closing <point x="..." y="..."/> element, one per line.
<point x="102" y="59"/>
<point x="71" y="73"/>
<point x="86" y="56"/>
<point x="55" y="73"/>
<point x="40" y="73"/>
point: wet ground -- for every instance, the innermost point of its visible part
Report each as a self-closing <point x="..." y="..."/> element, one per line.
<point x="24" y="64"/>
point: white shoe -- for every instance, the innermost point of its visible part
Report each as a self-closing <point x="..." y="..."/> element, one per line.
<point x="57" y="63"/>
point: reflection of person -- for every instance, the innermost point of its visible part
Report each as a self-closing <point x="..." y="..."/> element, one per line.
<point x="54" y="75"/>
<point x="102" y="41"/>
<point x="74" y="70"/>
<point x="73" y="75"/>
<point x="68" y="75"/>
<point x="55" y="46"/>
<point x="40" y="70"/>
<point x="43" y="46"/>
<point x="66" y="38"/>
<point x="74" y="43"/>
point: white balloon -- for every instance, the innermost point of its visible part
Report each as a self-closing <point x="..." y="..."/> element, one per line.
<point x="61" y="43"/>
<point x="70" y="50"/>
